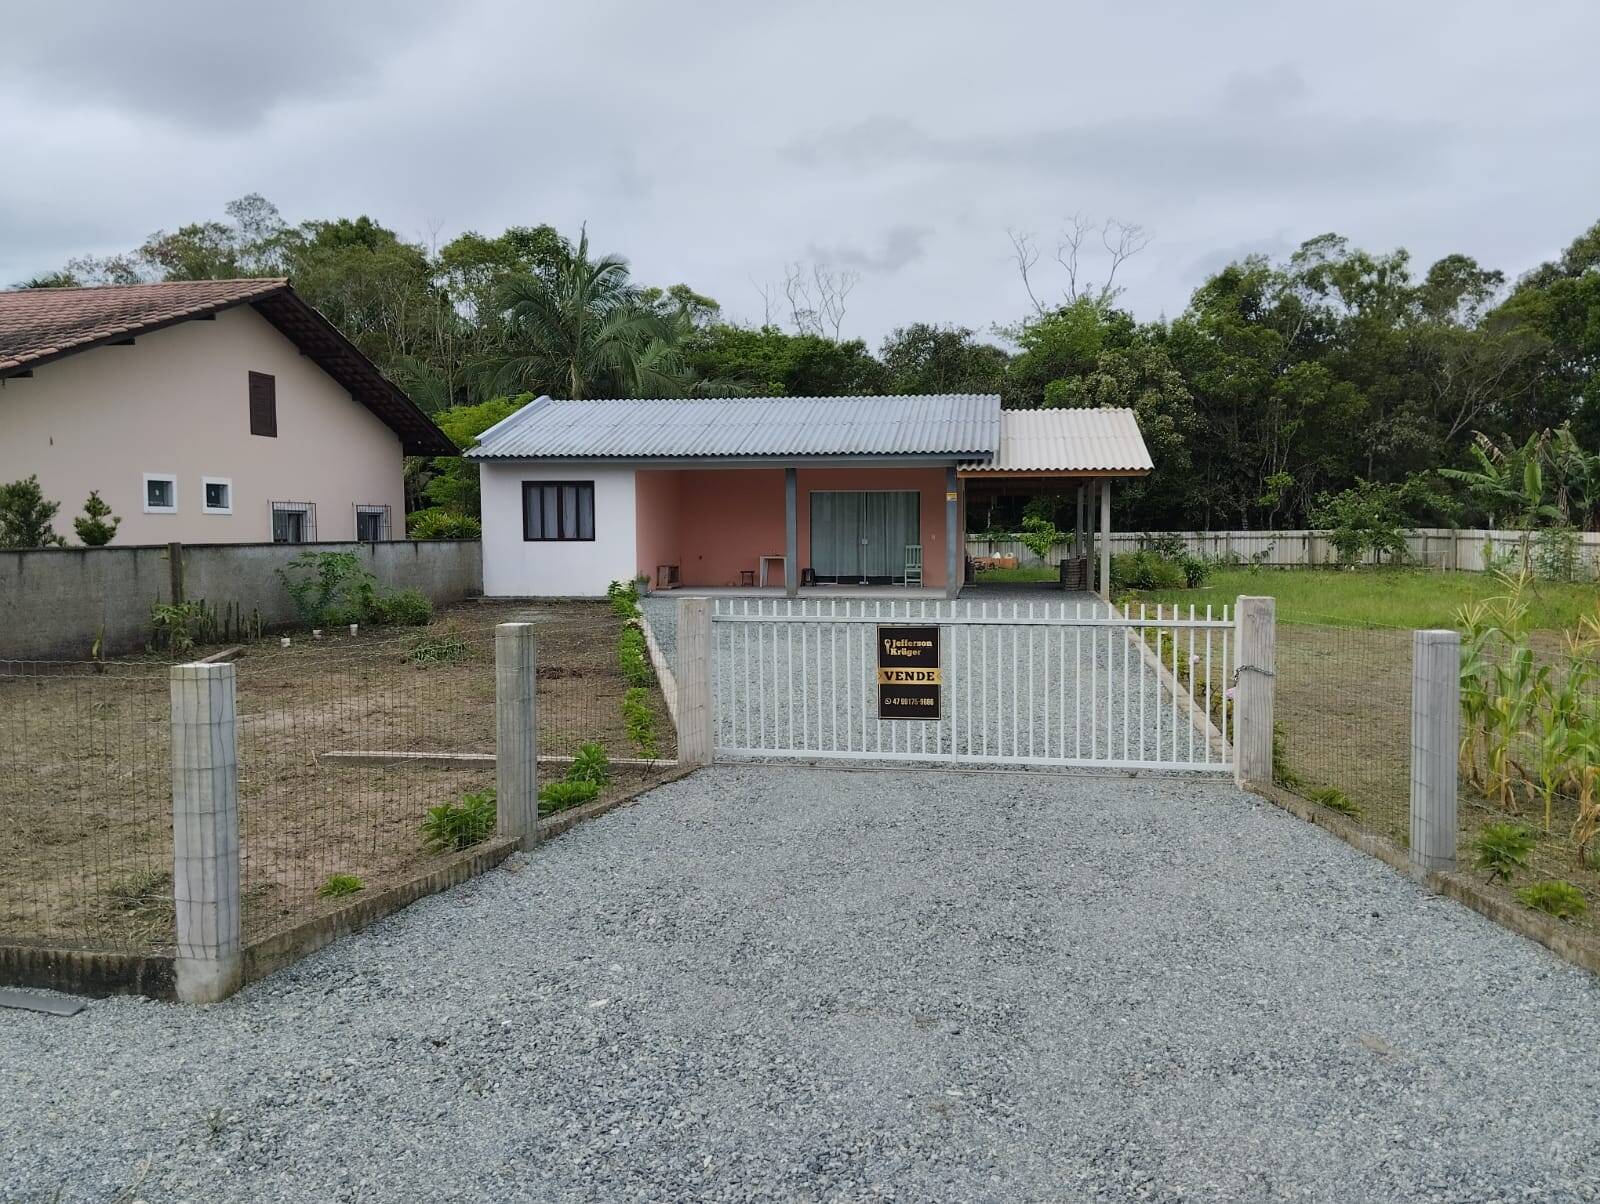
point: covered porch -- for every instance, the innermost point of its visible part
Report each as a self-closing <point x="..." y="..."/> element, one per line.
<point x="1072" y="453"/>
<point x="832" y="529"/>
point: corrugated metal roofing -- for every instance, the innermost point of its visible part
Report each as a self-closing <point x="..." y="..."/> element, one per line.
<point x="1045" y="441"/>
<point x="956" y="424"/>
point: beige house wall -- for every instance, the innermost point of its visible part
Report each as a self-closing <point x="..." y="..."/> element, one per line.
<point x="177" y="402"/>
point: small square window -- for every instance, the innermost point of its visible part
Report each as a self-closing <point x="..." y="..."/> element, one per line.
<point x="219" y="495"/>
<point x="160" y="493"/>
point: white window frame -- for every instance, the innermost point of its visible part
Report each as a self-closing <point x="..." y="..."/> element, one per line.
<point x="205" y="506"/>
<point x="144" y="492"/>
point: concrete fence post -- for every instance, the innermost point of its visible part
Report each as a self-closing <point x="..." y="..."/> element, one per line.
<point x="516" y="733"/>
<point x="1435" y="747"/>
<point x="205" y="832"/>
<point x="1255" y="675"/>
<point x="694" y="681"/>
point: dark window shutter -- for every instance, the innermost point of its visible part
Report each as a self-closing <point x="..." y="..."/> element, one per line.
<point x="263" y="404"/>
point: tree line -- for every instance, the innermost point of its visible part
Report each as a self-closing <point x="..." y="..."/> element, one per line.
<point x="1335" y="385"/>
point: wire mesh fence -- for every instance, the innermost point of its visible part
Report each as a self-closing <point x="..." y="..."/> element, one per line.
<point x="85" y="805"/>
<point x="1530" y="759"/>
<point x="365" y="758"/>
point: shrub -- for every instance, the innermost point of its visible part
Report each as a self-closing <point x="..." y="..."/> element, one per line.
<point x="98" y="526"/>
<point x="1502" y="849"/>
<point x="25" y="517"/>
<point x="453" y="826"/>
<point x="403" y="608"/>
<point x="329" y="589"/>
<point x="179" y="626"/>
<point x="1196" y="570"/>
<point x="437" y="523"/>
<point x="1557" y="557"/>
<point x="1335" y="799"/>
<point x="1146" y="570"/>
<point x="624" y="599"/>
<point x="633" y="657"/>
<point x="639" y="721"/>
<point x="590" y="765"/>
<point x="338" y="886"/>
<point x="558" y="796"/>
<point x="438" y="648"/>
<point x="1560" y="899"/>
<point x="1168" y="545"/>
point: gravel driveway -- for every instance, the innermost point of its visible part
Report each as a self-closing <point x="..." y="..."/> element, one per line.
<point x="775" y="983"/>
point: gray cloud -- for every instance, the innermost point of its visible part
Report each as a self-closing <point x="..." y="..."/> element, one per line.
<point x="714" y="142"/>
<point x="200" y="64"/>
<point x="899" y="246"/>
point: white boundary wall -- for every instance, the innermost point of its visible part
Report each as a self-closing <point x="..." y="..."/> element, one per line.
<point x="1433" y="547"/>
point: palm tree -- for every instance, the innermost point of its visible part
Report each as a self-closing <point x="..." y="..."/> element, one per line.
<point x="584" y="332"/>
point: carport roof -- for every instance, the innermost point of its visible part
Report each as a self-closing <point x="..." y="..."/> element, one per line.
<point x="954" y="426"/>
<point x="1089" y="442"/>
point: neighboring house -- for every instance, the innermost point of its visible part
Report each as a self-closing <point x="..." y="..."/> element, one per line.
<point x="207" y="411"/>
<point x="752" y="492"/>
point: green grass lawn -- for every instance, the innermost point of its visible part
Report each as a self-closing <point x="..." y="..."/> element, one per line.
<point x="1383" y="597"/>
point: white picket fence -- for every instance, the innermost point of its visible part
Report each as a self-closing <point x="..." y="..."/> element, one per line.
<point x="1043" y="684"/>
<point x="1465" y="550"/>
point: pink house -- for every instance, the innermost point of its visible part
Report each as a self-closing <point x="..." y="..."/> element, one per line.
<point x="788" y="492"/>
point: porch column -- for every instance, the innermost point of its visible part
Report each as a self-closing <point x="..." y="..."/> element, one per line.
<point x="1105" y="538"/>
<point x="791" y="533"/>
<point x="953" y="554"/>
<point x="1078" y="537"/>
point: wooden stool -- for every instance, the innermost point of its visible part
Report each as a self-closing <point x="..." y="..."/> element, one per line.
<point x="747" y="576"/>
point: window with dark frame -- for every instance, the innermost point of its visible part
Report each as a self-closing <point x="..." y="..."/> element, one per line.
<point x="559" y="511"/>
<point x="294" y="522"/>
<point x="264" y="404"/>
<point x="372" y="523"/>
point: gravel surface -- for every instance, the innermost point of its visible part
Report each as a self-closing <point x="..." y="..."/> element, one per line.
<point x="774" y="983"/>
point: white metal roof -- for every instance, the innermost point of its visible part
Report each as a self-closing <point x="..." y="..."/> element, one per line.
<point x="1102" y="440"/>
<point x="953" y="425"/>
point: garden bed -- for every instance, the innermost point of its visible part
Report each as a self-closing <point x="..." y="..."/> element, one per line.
<point x="85" y="781"/>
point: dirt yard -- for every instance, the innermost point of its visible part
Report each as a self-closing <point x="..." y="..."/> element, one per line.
<point x="86" y="842"/>
<point x="1344" y="711"/>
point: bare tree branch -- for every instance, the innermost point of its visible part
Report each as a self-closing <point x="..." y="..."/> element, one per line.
<point x="1121" y="240"/>
<point x="1026" y="254"/>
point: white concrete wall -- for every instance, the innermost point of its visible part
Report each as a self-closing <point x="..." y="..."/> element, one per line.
<point x="517" y="568"/>
<point x="177" y="401"/>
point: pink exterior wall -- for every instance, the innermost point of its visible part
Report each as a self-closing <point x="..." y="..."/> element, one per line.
<point x="657" y="499"/>
<point x="726" y="519"/>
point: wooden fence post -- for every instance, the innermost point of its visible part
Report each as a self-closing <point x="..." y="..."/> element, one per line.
<point x="1435" y="747"/>
<point x="516" y="733"/>
<point x="1255" y="674"/>
<point x="694" y="681"/>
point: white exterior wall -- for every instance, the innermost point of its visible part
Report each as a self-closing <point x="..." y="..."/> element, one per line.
<point x="517" y="568"/>
<point x="177" y="402"/>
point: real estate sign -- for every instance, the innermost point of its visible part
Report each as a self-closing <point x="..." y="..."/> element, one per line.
<point x="908" y="673"/>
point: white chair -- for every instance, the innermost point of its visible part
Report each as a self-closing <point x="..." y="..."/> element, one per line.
<point x="913" y="565"/>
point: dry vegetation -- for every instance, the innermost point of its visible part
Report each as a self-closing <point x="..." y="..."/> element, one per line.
<point x="1344" y="710"/>
<point x="84" y="780"/>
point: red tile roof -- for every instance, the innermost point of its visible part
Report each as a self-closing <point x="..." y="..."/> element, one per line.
<point x="43" y="324"/>
<point x="39" y="324"/>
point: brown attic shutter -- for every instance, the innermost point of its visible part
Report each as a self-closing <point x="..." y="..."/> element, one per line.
<point x="263" y="404"/>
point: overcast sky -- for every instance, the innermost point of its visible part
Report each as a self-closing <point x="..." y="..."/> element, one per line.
<point x="713" y="142"/>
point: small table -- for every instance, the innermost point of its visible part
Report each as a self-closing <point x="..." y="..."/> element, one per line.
<point x="766" y="560"/>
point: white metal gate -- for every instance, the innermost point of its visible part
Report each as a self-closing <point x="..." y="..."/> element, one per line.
<point x="1068" y="684"/>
